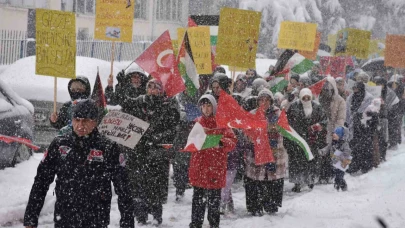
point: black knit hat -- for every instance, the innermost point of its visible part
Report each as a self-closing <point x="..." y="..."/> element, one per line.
<point x="85" y="109"/>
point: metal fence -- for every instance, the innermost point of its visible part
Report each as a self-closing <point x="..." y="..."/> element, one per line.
<point x="13" y="46"/>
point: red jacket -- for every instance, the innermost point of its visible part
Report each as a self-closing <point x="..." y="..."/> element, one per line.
<point x="208" y="167"/>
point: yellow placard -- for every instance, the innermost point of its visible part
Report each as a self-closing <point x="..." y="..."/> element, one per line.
<point x="175" y="44"/>
<point x="238" y="35"/>
<point x="200" y="43"/>
<point x="353" y="42"/>
<point x="55" y="43"/>
<point x="114" y="20"/>
<point x="297" y="35"/>
<point x="332" y="43"/>
<point x="376" y="48"/>
<point x="180" y="35"/>
<point x="312" y="54"/>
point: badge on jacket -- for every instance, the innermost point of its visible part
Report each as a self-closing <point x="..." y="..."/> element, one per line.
<point x="64" y="151"/>
<point x="122" y="160"/>
<point x="95" y="155"/>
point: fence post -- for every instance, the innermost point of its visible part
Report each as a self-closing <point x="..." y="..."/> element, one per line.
<point x="92" y="49"/>
<point x="119" y="56"/>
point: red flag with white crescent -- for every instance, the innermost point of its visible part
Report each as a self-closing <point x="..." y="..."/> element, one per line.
<point x="159" y="60"/>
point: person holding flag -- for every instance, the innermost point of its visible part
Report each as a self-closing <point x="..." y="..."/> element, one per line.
<point x="309" y="121"/>
<point x="264" y="183"/>
<point x="207" y="173"/>
<point x="78" y="88"/>
<point x="131" y="84"/>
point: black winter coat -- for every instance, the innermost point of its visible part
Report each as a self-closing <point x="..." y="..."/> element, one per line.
<point x="84" y="168"/>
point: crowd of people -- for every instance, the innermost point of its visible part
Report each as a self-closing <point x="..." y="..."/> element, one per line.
<point x="344" y="124"/>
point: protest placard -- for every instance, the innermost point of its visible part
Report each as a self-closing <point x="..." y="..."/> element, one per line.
<point x="312" y="54"/>
<point x="395" y="51"/>
<point x="374" y="90"/>
<point x="297" y="35"/>
<point x="353" y="42"/>
<point x="123" y="128"/>
<point x="376" y="48"/>
<point x="332" y="43"/>
<point x="238" y="35"/>
<point x="55" y="43"/>
<point x="200" y="43"/>
<point x="114" y="20"/>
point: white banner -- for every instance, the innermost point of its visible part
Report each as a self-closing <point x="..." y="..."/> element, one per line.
<point x="123" y="128"/>
<point x="374" y="90"/>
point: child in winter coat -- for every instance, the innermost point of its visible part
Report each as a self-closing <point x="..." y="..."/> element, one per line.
<point x="340" y="152"/>
<point x="207" y="172"/>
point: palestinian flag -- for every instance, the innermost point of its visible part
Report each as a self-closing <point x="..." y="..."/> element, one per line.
<point x="187" y="67"/>
<point x="281" y="83"/>
<point x="98" y="97"/>
<point x="299" y="64"/>
<point x="288" y="132"/>
<point x="198" y="140"/>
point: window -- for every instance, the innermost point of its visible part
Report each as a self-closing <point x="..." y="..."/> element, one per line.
<point x="23" y="3"/>
<point x="140" y="9"/>
<point x="169" y="10"/>
<point x="83" y="6"/>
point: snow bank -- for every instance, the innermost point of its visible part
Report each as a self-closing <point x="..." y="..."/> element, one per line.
<point x="21" y="77"/>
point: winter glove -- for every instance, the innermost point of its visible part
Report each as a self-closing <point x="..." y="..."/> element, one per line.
<point x="324" y="151"/>
<point x="121" y="77"/>
<point x="271" y="167"/>
<point x="316" y="127"/>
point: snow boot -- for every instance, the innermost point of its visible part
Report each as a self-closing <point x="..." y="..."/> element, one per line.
<point x="311" y="186"/>
<point x="296" y="188"/>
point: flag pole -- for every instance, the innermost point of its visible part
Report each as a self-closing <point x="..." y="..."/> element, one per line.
<point x="55" y="93"/>
<point x="233" y="77"/>
<point x="112" y="61"/>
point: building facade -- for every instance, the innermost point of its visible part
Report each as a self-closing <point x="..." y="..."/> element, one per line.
<point x="151" y="17"/>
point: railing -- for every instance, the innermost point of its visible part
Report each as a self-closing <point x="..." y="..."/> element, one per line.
<point x="13" y="46"/>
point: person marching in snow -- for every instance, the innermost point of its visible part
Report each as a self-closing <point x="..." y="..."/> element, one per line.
<point x="335" y="109"/>
<point x="131" y="84"/>
<point x="264" y="183"/>
<point x="308" y="119"/>
<point x="339" y="151"/>
<point x="207" y="172"/>
<point x="241" y="86"/>
<point x="148" y="164"/>
<point x="78" y="88"/>
<point x="85" y="164"/>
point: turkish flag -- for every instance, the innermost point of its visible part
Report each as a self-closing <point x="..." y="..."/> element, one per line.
<point x="230" y="114"/>
<point x="335" y="66"/>
<point x="159" y="60"/>
<point x="260" y="138"/>
<point x="317" y="87"/>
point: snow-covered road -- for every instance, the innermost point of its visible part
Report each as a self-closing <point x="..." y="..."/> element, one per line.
<point x="381" y="193"/>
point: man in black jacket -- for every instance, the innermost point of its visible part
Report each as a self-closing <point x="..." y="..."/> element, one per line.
<point x="84" y="163"/>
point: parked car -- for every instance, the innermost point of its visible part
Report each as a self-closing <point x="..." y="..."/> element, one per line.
<point x="16" y="120"/>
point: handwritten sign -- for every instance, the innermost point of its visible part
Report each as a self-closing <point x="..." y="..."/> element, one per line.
<point x="353" y="42"/>
<point x="312" y="54"/>
<point x="123" y="128"/>
<point x="55" y="43"/>
<point x="332" y="43"/>
<point x="395" y="51"/>
<point x="114" y="20"/>
<point x="297" y="35"/>
<point x="200" y="43"/>
<point x="238" y="35"/>
<point x="374" y="90"/>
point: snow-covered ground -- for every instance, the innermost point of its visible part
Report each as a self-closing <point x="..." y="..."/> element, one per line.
<point x="377" y="193"/>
